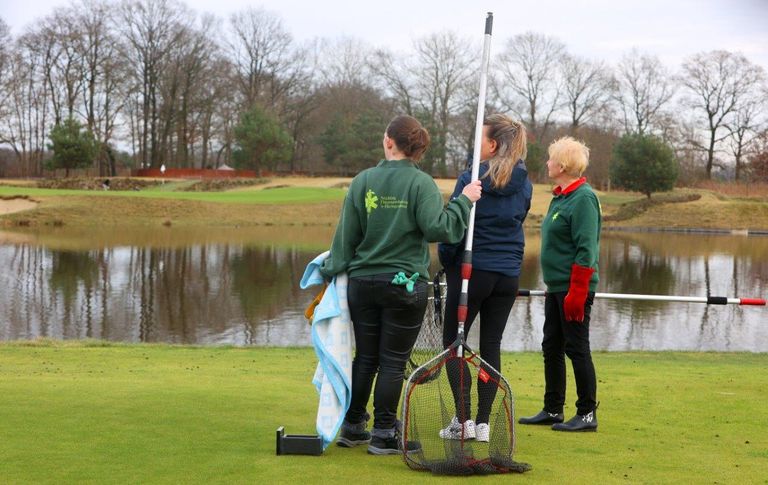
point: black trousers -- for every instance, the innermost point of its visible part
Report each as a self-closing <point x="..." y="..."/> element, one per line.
<point x="491" y="295"/>
<point x="386" y="319"/>
<point x="563" y="338"/>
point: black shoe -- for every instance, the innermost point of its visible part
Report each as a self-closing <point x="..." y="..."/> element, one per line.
<point x="349" y="438"/>
<point x="580" y="422"/>
<point x="542" y="418"/>
<point x="390" y="446"/>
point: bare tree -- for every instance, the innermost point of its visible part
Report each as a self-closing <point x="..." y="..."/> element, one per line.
<point x="343" y="62"/>
<point x="217" y="100"/>
<point x="189" y="69"/>
<point x="24" y="128"/>
<point x="391" y="74"/>
<point x="745" y="126"/>
<point x="101" y="75"/>
<point x="586" y="89"/>
<point x="260" y="49"/>
<point x="643" y="87"/>
<point x="56" y="39"/>
<point x="151" y="28"/>
<point x="5" y="55"/>
<point x="300" y="100"/>
<point x="445" y="66"/>
<point x="5" y="43"/>
<point x="529" y="83"/>
<point x="717" y="83"/>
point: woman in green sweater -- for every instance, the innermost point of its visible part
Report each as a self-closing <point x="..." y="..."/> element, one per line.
<point x="391" y="213"/>
<point x="570" y="245"/>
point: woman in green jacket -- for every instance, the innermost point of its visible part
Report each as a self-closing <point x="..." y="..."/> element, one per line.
<point x="391" y="213"/>
<point x="570" y="246"/>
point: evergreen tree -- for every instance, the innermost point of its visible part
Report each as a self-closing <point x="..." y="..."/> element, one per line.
<point x="260" y="141"/>
<point x="353" y="143"/>
<point x="643" y="163"/>
<point x="72" y="146"/>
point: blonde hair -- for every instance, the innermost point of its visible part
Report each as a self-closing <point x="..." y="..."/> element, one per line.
<point x="572" y="155"/>
<point x="511" y="145"/>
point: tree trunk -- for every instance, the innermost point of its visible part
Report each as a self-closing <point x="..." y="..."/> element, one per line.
<point x="710" y="154"/>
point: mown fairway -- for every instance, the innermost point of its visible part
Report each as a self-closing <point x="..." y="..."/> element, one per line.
<point x="316" y="201"/>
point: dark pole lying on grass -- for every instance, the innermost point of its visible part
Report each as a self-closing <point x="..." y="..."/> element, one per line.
<point x="709" y="300"/>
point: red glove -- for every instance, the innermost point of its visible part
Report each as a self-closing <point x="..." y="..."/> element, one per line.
<point x="577" y="293"/>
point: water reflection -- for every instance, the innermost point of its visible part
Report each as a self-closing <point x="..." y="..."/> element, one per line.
<point x="241" y="288"/>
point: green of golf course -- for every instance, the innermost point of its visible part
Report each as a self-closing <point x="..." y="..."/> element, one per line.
<point x="88" y="412"/>
<point x="317" y="200"/>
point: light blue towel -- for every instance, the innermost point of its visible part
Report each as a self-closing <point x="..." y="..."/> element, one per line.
<point x="332" y="337"/>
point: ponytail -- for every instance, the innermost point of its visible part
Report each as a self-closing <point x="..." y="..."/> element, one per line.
<point x="511" y="145"/>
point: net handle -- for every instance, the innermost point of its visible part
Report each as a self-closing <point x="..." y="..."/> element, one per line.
<point x="466" y="265"/>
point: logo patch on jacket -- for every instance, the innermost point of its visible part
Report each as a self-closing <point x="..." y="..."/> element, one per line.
<point x="370" y="201"/>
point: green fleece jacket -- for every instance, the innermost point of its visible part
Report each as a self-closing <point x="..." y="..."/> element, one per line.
<point x="389" y="215"/>
<point x="570" y="233"/>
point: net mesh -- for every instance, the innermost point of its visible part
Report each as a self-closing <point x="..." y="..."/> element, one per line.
<point x="446" y="391"/>
<point x="430" y="339"/>
<point x="442" y="387"/>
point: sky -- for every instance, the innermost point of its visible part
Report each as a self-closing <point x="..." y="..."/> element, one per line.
<point x="596" y="29"/>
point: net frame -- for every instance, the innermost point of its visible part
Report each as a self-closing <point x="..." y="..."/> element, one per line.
<point x="460" y="459"/>
<point x="457" y="456"/>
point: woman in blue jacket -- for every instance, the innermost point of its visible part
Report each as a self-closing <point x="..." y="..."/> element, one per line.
<point x="497" y="255"/>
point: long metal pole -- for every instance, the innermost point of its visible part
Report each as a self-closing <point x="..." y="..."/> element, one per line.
<point x="466" y="265"/>
<point x="709" y="300"/>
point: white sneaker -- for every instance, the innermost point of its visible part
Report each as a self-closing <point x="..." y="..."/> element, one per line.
<point x="457" y="431"/>
<point x="483" y="432"/>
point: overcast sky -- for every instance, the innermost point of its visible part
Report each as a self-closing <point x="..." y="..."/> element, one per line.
<point x="599" y="29"/>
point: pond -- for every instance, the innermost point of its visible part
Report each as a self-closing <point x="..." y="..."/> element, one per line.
<point x="240" y="287"/>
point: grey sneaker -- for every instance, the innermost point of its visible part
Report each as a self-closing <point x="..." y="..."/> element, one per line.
<point x="390" y="446"/>
<point x="353" y="435"/>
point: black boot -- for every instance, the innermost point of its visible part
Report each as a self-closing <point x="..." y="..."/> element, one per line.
<point x="542" y="418"/>
<point x="580" y="422"/>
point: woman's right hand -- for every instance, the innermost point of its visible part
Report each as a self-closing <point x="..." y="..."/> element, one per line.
<point x="473" y="191"/>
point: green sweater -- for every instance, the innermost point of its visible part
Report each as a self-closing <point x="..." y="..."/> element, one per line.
<point x="570" y="233"/>
<point x="389" y="215"/>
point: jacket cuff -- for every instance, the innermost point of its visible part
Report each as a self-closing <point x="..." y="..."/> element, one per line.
<point x="464" y="200"/>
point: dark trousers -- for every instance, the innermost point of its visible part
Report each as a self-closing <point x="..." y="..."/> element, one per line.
<point x="387" y="319"/>
<point x="491" y="295"/>
<point x="563" y="338"/>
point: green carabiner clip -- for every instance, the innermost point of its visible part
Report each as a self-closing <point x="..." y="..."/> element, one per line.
<point x="401" y="279"/>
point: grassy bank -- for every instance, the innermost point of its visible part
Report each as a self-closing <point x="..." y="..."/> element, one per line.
<point x="83" y="412"/>
<point x="316" y="201"/>
<point x="156" y="206"/>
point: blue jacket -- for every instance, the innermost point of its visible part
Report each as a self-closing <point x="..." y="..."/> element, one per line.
<point x="498" y="241"/>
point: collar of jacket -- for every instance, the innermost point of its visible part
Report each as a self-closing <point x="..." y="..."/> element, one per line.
<point x="405" y="162"/>
<point x="571" y="188"/>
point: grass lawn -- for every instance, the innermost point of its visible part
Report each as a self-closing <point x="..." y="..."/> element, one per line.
<point x="90" y="412"/>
